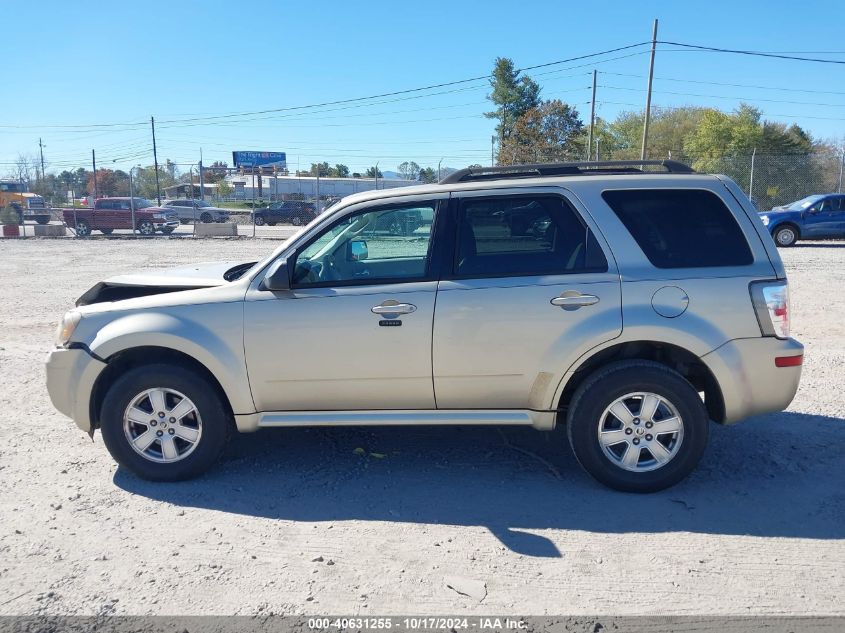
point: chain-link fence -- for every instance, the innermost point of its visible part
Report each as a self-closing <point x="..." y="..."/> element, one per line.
<point x="775" y="179"/>
<point x="272" y="203"/>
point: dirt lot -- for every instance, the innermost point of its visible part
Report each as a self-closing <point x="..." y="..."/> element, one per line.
<point x="427" y="521"/>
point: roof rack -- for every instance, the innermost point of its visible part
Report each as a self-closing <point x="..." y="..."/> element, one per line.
<point x="606" y="167"/>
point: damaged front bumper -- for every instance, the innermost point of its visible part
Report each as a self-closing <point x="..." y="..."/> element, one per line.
<point x="71" y="374"/>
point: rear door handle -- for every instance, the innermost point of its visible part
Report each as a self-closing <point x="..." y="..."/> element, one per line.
<point x="394" y="307"/>
<point x="574" y="300"/>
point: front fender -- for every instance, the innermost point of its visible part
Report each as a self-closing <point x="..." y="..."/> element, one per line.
<point x="211" y="334"/>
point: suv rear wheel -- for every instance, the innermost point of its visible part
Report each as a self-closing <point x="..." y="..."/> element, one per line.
<point x="163" y="423"/>
<point x="637" y="426"/>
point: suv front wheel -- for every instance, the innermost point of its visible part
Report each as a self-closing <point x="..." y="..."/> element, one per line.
<point x="163" y="423"/>
<point x="637" y="426"/>
<point x="786" y="235"/>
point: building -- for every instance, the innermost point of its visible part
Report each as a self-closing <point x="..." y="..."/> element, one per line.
<point x="188" y="190"/>
<point x="245" y="187"/>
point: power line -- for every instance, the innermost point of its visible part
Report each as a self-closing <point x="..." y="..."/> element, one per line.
<point x="694" y="94"/>
<point x="732" y="85"/>
<point x="777" y="55"/>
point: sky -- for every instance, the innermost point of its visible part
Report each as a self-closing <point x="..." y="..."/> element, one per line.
<point x="83" y="76"/>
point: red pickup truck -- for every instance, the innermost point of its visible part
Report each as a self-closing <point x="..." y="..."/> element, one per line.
<point x="109" y="214"/>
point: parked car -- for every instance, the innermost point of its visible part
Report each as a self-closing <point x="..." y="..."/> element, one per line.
<point x="632" y="307"/>
<point x="294" y="212"/>
<point x="401" y="221"/>
<point x="109" y="214"/>
<point x="190" y="210"/>
<point x="815" y="217"/>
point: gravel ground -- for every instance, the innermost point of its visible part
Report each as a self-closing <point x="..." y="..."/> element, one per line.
<point x="425" y="521"/>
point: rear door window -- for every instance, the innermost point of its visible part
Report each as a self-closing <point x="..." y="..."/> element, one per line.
<point x="681" y="228"/>
<point x="523" y="236"/>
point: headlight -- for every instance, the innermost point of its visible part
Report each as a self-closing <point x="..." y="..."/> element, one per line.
<point x="765" y="219"/>
<point x="66" y="327"/>
<point x="159" y="216"/>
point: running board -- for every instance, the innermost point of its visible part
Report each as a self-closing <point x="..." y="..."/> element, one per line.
<point x="405" y="418"/>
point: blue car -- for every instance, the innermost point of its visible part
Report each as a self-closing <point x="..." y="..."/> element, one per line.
<point x="818" y="217"/>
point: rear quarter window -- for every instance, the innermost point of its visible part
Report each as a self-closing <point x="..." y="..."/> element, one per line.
<point x="681" y="228"/>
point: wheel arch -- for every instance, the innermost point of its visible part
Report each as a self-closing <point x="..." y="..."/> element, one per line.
<point x="681" y="360"/>
<point x="121" y="362"/>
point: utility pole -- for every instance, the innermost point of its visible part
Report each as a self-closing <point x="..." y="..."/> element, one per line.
<point x="492" y="155"/>
<point x="41" y="150"/>
<point x="751" y="178"/>
<point x="375" y="173"/>
<point x="317" y="189"/>
<point x="94" y="165"/>
<point x="441" y="160"/>
<point x="643" y="152"/>
<point x="592" y="117"/>
<point x="841" y="165"/>
<point x="155" y="160"/>
<point x="202" y="180"/>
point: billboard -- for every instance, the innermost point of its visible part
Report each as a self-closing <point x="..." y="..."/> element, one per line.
<point x="260" y="159"/>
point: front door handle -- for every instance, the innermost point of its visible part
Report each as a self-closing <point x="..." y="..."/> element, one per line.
<point x="392" y="307"/>
<point x="573" y="300"/>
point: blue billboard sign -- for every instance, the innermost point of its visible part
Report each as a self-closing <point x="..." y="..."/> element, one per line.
<point x="260" y="159"/>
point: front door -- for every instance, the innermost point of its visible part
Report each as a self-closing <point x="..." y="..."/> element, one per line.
<point x="826" y="219"/>
<point x="528" y="288"/>
<point x="354" y="330"/>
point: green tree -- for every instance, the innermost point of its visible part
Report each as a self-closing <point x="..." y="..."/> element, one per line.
<point x="668" y="130"/>
<point x="340" y="171"/>
<point x="371" y="173"/>
<point x="785" y="166"/>
<point x="551" y="132"/>
<point x="144" y="181"/>
<point x="428" y="175"/>
<point x="513" y="95"/>
<point x="409" y="170"/>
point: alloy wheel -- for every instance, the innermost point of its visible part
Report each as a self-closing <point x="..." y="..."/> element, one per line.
<point x="640" y="432"/>
<point x="162" y="425"/>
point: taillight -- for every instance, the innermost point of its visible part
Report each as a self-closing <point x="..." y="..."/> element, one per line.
<point x="771" y="304"/>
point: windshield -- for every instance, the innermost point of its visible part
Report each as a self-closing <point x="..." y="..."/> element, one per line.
<point x="202" y="204"/>
<point x="803" y="203"/>
<point x="13" y="187"/>
<point x="143" y="203"/>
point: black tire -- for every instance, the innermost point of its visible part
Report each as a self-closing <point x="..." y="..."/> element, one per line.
<point x="611" y="383"/>
<point x="206" y="218"/>
<point x="82" y="228"/>
<point x="785" y="235"/>
<point x="215" y="422"/>
<point x="145" y="227"/>
<point x="296" y="221"/>
<point x="259" y="220"/>
<point x="271" y="224"/>
<point x="43" y="220"/>
<point x="106" y="231"/>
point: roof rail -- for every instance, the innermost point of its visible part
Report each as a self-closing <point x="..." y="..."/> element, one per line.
<point x="605" y="167"/>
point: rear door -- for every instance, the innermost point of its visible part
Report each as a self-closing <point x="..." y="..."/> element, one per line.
<point x="529" y="286"/>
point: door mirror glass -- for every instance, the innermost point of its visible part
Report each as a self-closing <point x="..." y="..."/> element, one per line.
<point x="357" y="250"/>
<point x="278" y="278"/>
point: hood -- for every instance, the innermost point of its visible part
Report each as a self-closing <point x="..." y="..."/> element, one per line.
<point x="780" y="211"/>
<point x="150" y="282"/>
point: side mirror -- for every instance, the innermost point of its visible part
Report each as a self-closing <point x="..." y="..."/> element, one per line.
<point x="278" y="278"/>
<point x="357" y="251"/>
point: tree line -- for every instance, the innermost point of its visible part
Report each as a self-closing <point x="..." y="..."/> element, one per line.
<point x="788" y="162"/>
